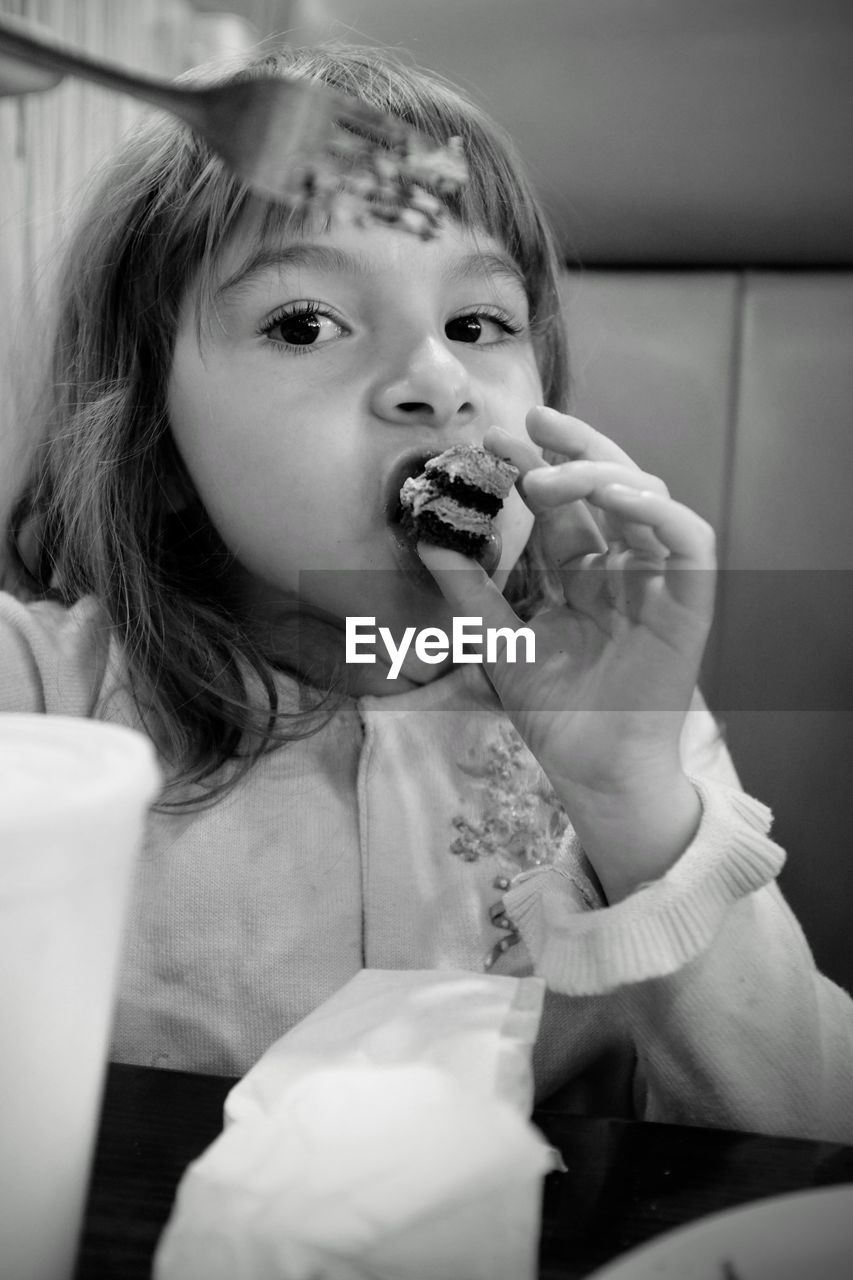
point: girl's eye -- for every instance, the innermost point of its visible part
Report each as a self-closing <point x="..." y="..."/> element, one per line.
<point x="480" y="327"/>
<point x="302" y="326"/>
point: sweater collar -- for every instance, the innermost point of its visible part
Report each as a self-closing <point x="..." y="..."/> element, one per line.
<point x="465" y="685"/>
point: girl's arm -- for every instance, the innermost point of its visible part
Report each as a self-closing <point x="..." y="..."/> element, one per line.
<point x="748" y="1035"/>
<point x="52" y="659"/>
<point x="731" y="1022"/>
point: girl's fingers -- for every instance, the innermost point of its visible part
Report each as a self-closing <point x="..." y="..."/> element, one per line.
<point x="572" y="436"/>
<point x="654" y="530"/>
<point x="644" y="542"/>
<point x="548" y="487"/>
<point x="521" y="453"/>
<point x="569" y="529"/>
<point x="688" y="540"/>
<point x="588" y="590"/>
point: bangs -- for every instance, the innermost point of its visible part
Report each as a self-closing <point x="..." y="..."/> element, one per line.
<point x="233" y="210"/>
<point x="496" y="200"/>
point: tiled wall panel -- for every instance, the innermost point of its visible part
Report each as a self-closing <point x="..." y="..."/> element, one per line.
<point x="785" y="655"/>
<point x="791" y="504"/>
<point x="738" y="390"/>
<point x="651" y="357"/>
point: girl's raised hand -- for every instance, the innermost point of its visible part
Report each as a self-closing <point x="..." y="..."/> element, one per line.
<point x="603" y="705"/>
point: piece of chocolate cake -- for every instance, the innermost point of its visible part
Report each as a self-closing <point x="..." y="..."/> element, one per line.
<point x="454" y="500"/>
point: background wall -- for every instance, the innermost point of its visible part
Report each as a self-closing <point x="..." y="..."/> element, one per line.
<point x="50" y="143"/>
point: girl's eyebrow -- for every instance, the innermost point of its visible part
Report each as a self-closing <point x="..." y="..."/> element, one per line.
<point x="299" y="254"/>
<point x="488" y="264"/>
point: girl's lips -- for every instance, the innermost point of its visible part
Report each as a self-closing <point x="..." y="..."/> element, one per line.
<point x="409" y="561"/>
<point x="409" y="464"/>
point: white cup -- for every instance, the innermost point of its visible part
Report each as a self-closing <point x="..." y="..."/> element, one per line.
<point x="73" y="798"/>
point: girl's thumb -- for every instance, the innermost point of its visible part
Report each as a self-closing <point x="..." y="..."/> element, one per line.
<point x="467" y="587"/>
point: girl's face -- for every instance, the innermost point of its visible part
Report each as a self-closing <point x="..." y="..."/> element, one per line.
<point x="333" y="363"/>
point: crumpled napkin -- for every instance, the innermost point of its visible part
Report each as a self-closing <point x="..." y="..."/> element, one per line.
<point x="384" y="1138"/>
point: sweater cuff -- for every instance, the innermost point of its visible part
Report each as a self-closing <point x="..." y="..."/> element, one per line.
<point x="661" y="926"/>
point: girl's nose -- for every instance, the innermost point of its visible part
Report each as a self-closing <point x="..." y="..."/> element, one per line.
<point x="430" y="386"/>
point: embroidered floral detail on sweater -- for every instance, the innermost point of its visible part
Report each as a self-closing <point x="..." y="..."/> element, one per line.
<point x="523" y="820"/>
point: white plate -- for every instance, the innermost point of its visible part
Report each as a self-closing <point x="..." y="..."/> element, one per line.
<point x="805" y="1236"/>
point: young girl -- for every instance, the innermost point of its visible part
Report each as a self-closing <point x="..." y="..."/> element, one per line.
<point x="235" y="395"/>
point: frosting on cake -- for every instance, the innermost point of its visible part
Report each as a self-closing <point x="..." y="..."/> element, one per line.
<point x="454" y="499"/>
<point x="474" y="466"/>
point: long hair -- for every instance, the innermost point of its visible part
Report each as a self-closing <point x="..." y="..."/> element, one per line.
<point x="98" y="514"/>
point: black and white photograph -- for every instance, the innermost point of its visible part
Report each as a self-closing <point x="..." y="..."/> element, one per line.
<point x="426" y="639"/>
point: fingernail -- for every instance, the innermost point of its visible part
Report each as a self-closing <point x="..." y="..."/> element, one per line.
<point x="443" y="558"/>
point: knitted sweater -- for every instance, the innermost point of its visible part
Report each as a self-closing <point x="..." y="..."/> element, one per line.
<point x="416" y="831"/>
